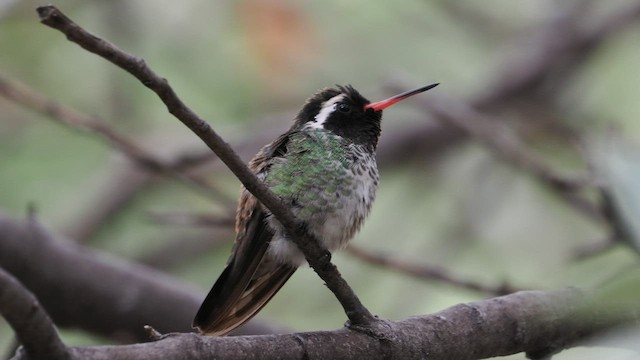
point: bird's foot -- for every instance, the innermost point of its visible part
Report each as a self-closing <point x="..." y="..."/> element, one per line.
<point x="375" y="327"/>
<point x="325" y="259"/>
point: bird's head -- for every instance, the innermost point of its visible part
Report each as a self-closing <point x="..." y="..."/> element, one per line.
<point x="345" y="112"/>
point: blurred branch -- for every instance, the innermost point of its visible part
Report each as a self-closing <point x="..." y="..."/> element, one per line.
<point x="192" y="219"/>
<point x="539" y="323"/>
<point x="619" y="231"/>
<point x="594" y="248"/>
<point x="123" y="185"/>
<point x="33" y="327"/>
<point x="487" y="26"/>
<point x="81" y="288"/>
<point x="505" y="144"/>
<point x="556" y="47"/>
<point x="425" y="272"/>
<point x="32" y="100"/>
<point x="620" y="227"/>
<point x="611" y="25"/>
<point x="314" y="254"/>
<point x="181" y="249"/>
<point x="551" y="52"/>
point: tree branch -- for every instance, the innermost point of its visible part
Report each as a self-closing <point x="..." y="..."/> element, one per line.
<point x="527" y="321"/>
<point x="84" y="289"/>
<point x="314" y="254"/>
<point x="32" y="325"/>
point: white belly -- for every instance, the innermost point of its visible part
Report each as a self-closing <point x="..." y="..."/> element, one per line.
<point x="336" y="226"/>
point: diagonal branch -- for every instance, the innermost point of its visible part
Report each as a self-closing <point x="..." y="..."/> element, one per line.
<point x="34" y="328"/>
<point x="21" y="94"/>
<point x="553" y="51"/>
<point x="314" y="254"/>
<point x="506" y="145"/>
<point x="117" y="193"/>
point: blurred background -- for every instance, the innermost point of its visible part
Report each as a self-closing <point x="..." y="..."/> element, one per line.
<point x="553" y="81"/>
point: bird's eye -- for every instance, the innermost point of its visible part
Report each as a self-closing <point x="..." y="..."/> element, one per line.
<point x="344" y="108"/>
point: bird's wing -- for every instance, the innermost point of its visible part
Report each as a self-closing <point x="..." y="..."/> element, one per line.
<point x="250" y="279"/>
<point x="245" y="286"/>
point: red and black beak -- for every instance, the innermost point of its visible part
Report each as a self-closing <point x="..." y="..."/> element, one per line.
<point x="381" y="105"/>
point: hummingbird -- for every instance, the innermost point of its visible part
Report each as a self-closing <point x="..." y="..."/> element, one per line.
<point x="324" y="168"/>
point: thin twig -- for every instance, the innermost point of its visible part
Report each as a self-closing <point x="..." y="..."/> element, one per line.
<point x="33" y="327"/>
<point x="425" y="271"/>
<point x="314" y="254"/>
<point x="154" y="334"/>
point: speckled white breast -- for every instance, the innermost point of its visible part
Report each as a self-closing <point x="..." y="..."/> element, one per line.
<point x="340" y="222"/>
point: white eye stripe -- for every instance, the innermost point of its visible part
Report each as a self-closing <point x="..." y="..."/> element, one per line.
<point x="328" y="107"/>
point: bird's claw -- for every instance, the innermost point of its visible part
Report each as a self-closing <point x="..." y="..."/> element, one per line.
<point x="376" y="328"/>
<point x="325" y="260"/>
